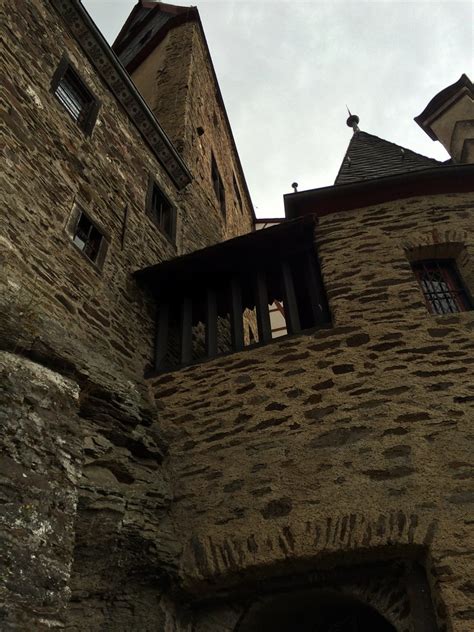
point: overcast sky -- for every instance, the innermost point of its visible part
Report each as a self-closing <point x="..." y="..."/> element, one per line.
<point x="287" y="69"/>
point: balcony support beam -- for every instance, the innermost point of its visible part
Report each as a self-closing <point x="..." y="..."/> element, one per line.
<point x="289" y="300"/>
<point x="211" y="323"/>
<point x="236" y="323"/>
<point x="262" y="307"/>
<point x="186" y="332"/>
<point x="161" y="337"/>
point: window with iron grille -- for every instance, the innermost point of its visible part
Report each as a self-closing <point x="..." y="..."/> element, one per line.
<point x="88" y="238"/>
<point x="218" y="186"/>
<point x="442" y="286"/>
<point x="161" y="210"/>
<point x="76" y="98"/>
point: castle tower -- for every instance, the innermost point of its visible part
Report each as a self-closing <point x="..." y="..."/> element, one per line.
<point x="161" y="471"/>
<point x="449" y="118"/>
<point x="164" y="49"/>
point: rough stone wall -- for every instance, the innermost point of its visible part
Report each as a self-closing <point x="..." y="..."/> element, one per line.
<point x="50" y="165"/>
<point x="178" y="72"/>
<point x="94" y="326"/>
<point x="349" y="441"/>
<point x="40" y="466"/>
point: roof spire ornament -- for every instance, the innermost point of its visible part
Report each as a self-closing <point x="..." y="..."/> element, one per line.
<point x="353" y="121"/>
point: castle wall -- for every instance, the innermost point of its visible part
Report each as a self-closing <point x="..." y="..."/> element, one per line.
<point x="91" y="317"/>
<point x="82" y="314"/>
<point x="40" y="467"/>
<point x="346" y="444"/>
<point x="110" y="515"/>
<point x="177" y="82"/>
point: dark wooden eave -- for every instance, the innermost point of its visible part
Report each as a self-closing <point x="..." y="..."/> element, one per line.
<point x="116" y="77"/>
<point x="344" y="197"/>
<point x="242" y="254"/>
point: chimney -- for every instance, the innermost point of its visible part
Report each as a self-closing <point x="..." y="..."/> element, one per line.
<point x="449" y="118"/>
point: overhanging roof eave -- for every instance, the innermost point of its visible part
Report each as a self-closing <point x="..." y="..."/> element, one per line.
<point x="252" y="250"/>
<point x="331" y="199"/>
<point x="102" y="57"/>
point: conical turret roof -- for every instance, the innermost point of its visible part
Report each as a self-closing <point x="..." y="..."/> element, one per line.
<point x="368" y="157"/>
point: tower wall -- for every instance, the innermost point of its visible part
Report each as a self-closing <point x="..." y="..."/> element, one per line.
<point x="346" y="444"/>
<point x="178" y="83"/>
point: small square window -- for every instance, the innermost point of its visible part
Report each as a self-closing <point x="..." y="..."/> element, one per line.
<point x="442" y="287"/>
<point x="88" y="238"/>
<point x="161" y="210"/>
<point x="75" y="96"/>
<point x="218" y="186"/>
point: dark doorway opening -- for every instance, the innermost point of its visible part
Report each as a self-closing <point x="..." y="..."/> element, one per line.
<point x="313" y="611"/>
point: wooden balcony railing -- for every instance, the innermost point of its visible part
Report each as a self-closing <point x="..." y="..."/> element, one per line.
<point x="208" y="300"/>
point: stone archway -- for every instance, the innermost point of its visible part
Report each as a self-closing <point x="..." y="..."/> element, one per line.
<point x="313" y="611"/>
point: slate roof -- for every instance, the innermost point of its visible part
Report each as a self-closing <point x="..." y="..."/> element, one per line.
<point x="368" y="157"/>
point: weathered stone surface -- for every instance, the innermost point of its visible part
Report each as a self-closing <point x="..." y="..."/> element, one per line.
<point x="40" y="466"/>
<point x="369" y="428"/>
<point x="156" y="505"/>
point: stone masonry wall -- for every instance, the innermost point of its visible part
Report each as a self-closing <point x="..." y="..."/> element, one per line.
<point x="178" y="73"/>
<point x="40" y="466"/>
<point x="345" y="444"/>
<point x="93" y="326"/>
<point x="50" y="165"/>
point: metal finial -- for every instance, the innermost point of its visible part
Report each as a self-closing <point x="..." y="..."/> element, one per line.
<point x="295" y="187"/>
<point x="352" y="121"/>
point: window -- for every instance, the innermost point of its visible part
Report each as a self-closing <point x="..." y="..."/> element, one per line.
<point x="237" y="192"/>
<point x="218" y="186"/>
<point x="441" y="285"/>
<point x="75" y="96"/>
<point x="160" y="210"/>
<point x="87" y="237"/>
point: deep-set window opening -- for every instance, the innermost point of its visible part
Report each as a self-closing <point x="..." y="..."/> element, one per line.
<point x="76" y="98"/>
<point x="442" y="287"/>
<point x="237" y="193"/>
<point x="161" y="210"/>
<point x="218" y="185"/>
<point x="87" y="237"/>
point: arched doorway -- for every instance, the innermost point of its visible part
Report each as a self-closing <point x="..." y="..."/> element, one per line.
<point x="313" y="611"/>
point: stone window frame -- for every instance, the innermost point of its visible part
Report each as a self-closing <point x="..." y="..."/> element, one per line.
<point x="87" y="117"/>
<point x="78" y="210"/>
<point x="452" y="253"/>
<point x="153" y="185"/>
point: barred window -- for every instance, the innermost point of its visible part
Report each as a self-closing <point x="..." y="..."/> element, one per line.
<point x="442" y="286"/>
<point x="76" y="98"/>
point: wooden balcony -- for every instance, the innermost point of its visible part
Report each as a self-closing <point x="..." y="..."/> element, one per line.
<point x="208" y="298"/>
